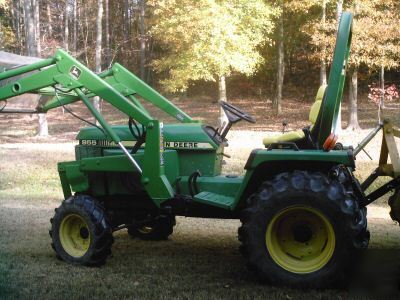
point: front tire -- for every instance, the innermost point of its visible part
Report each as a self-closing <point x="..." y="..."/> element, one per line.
<point x="80" y="231"/>
<point x="303" y="230"/>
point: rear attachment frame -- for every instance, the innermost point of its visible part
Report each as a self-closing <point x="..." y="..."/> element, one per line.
<point x="388" y="149"/>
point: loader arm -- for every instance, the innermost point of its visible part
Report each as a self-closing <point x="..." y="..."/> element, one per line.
<point x="69" y="81"/>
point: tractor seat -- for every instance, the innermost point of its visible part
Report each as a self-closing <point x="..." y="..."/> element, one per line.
<point x="299" y="135"/>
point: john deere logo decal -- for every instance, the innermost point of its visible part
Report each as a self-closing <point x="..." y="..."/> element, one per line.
<point x="163" y="145"/>
<point x="75" y="72"/>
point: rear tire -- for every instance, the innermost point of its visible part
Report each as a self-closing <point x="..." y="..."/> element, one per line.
<point x="303" y="230"/>
<point x="80" y="231"/>
<point x="394" y="203"/>
<point x="158" y="229"/>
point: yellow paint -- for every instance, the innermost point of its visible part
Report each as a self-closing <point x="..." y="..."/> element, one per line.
<point x="293" y="136"/>
<point x="307" y="254"/>
<point x="74" y="235"/>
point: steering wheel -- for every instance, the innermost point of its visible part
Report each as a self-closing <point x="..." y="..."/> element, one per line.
<point x="235" y="114"/>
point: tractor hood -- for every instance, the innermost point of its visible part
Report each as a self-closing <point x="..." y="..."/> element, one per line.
<point x="176" y="136"/>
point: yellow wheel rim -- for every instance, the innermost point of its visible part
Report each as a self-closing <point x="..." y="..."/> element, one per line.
<point x="300" y="239"/>
<point x="74" y="235"/>
<point x="145" y="229"/>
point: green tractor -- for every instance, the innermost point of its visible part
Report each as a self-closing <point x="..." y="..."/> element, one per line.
<point x="303" y="212"/>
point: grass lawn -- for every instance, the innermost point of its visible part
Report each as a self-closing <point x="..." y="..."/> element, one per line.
<point x="200" y="260"/>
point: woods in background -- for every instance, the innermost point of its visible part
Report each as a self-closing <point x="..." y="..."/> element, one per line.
<point x="278" y="46"/>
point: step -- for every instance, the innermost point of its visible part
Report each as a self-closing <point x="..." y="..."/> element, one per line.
<point x="210" y="198"/>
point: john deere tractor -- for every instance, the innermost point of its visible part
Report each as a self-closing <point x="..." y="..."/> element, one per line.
<point x="303" y="212"/>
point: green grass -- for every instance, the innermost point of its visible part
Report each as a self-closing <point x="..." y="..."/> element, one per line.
<point x="201" y="259"/>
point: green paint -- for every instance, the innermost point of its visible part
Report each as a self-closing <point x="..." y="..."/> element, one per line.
<point x="115" y="138"/>
<point x="263" y="155"/>
<point x="25" y="69"/>
<point x="189" y="132"/>
<point x="334" y="93"/>
<point x="123" y="76"/>
<point x="214" y="199"/>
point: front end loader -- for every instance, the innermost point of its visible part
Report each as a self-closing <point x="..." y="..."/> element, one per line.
<point x="303" y="212"/>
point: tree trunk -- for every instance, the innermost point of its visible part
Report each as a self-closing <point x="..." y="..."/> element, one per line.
<point x="43" y="126"/>
<point x="382" y="75"/>
<point x="142" y="39"/>
<point x="353" y="95"/>
<point x="1" y="36"/>
<point x="126" y="19"/>
<point x="276" y="104"/>
<point x="99" y="39"/>
<point x="30" y="28"/>
<point x="36" y="4"/>
<point x="339" y="10"/>
<point x="16" y="14"/>
<point x="17" y="23"/>
<point x="49" y="21"/>
<point x="86" y="38"/>
<point x="75" y="27"/>
<point x="99" y="35"/>
<point x="20" y="41"/>
<point x="107" y="19"/>
<point x="222" y="97"/>
<point x="150" y="48"/>
<point x="125" y="45"/>
<point x="31" y="25"/>
<point x="322" y="74"/>
<point x="66" y="25"/>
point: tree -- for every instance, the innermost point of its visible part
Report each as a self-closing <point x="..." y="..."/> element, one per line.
<point x="126" y="28"/>
<point x="2" y="6"/>
<point x="142" y="8"/>
<point x="16" y="24"/>
<point x="36" y="20"/>
<point x="353" y="89"/>
<point x="43" y="125"/>
<point x="49" y="19"/>
<point x="72" y="25"/>
<point x="276" y="103"/>
<point x="353" y="92"/>
<point x="32" y="31"/>
<point x="99" y="40"/>
<point x="208" y="40"/>
<point x="322" y="76"/>
<point x="66" y="25"/>
<point x="107" y="32"/>
<point x="374" y="41"/>
<point x="289" y="9"/>
<point x="370" y="46"/>
<point x="99" y="34"/>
